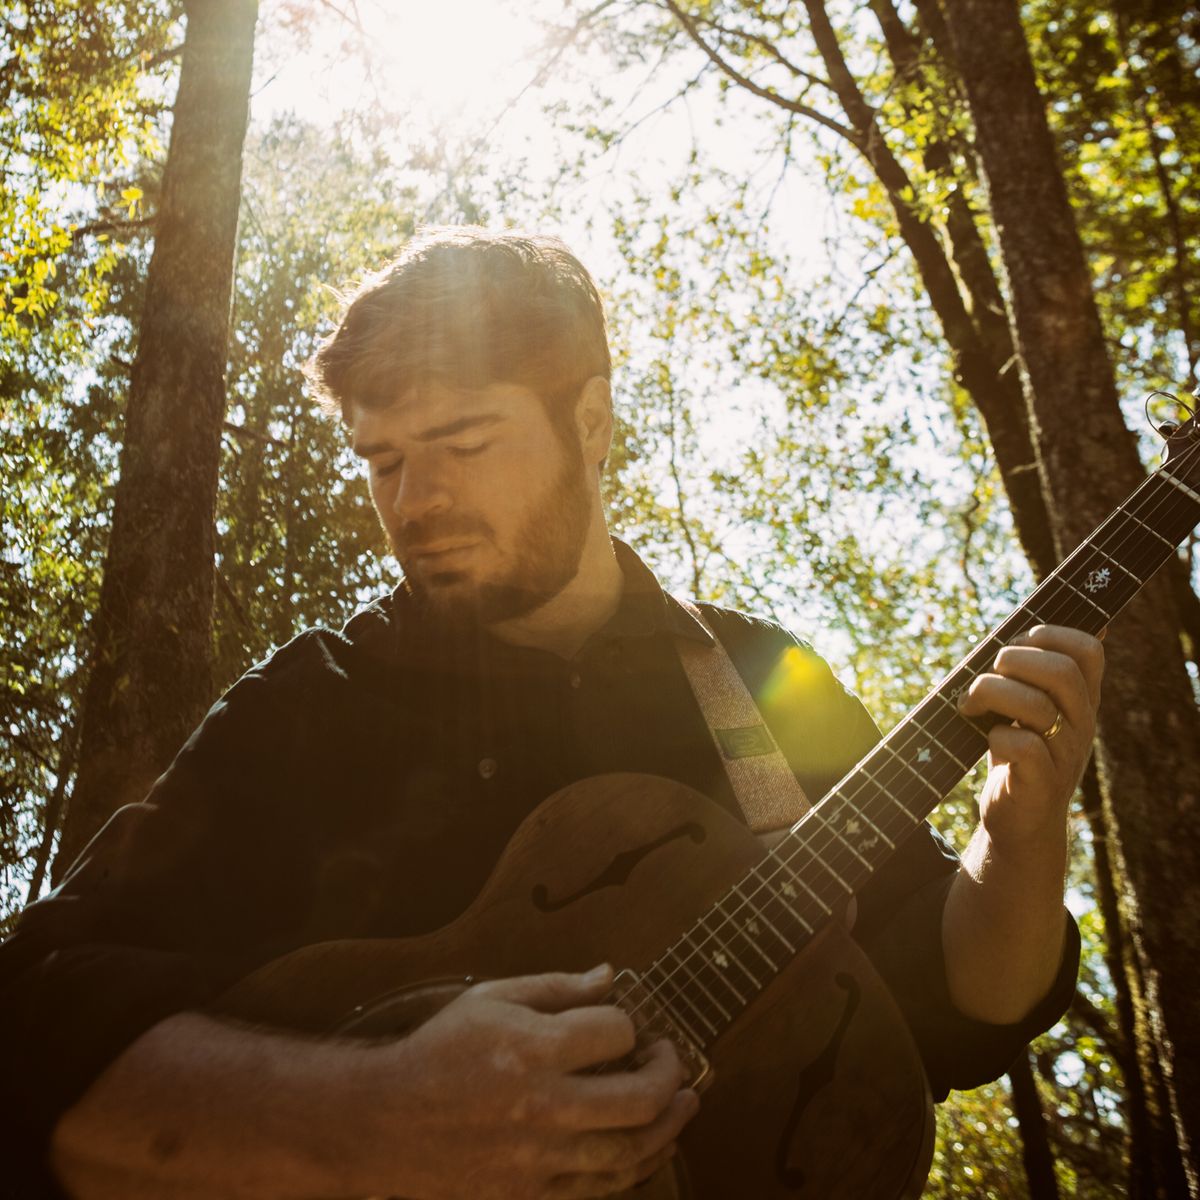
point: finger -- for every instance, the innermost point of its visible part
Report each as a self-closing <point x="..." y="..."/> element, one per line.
<point x="587" y="1037"/>
<point x="1011" y="698"/>
<point x="624" y="1099"/>
<point x="1057" y="675"/>
<point x="1085" y="650"/>
<point x="606" y="1183"/>
<point x="552" y="992"/>
<point x="1025" y="752"/>
<point x="624" y="1149"/>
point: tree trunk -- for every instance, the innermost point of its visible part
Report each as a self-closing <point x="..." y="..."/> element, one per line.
<point x="1149" y="725"/>
<point x="1155" y="1166"/>
<point x="1035" y="1148"/>
<point x="150" y="678"/>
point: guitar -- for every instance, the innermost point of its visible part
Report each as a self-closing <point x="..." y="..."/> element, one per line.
<point x="813" y="1087"/>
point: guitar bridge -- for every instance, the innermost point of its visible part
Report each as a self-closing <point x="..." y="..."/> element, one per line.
<point x="652" y="1021"/>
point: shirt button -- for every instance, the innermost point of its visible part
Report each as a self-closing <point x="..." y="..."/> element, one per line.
<point x="488" y="767"/>
<point x="575" y="680"/>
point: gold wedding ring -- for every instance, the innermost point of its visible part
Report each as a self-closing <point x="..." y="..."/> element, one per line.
<point x="1053" y="730"/>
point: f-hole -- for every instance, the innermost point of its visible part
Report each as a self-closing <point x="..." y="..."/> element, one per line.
<point x="618" y="870"/>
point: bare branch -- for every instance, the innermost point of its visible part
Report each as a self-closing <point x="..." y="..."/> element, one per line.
<point x="252" y="435"/>
<point x="112" y="225"/>
<point x="757" y="39"/>
<point x="746" y="82"/>
<point x="230" y="595"/>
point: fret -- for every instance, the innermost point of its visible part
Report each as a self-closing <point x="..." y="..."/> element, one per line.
<point x="1067" y="606"/>
<point x="937" y="741"/>
<point x="937" y="772"/>
<point x="775" y="907"/>
<point x="747" y="928"/>
<point x="1148" y="528"/>
<point x="1038" y="619"/>
<point x="787" y="889"/>
<point x="1137" y="583"/>
<point x="693" y="963"/>
<point x="1123" y="536"/>
<point x="1183" y="487"/>
<point x="759" y="915"/>
<point x="864" y="770"/>
<point x="1164" y="503"/>
<point x="746" y="938"/>
<point x="914" y="772"/>
<point x="817" y="816"/>
<point x="1088" y="600"/>
<point x="987" y="648"/>
<point x="1101" y="582"/>
<point x="850" y="826"/>
<point x="667" y="981"/>
<point x="815" y="855"/>
<point x="724" y="954"/>
<point x="709" y="963"/>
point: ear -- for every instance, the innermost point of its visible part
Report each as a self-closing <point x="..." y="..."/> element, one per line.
<point x="593" y="420"/>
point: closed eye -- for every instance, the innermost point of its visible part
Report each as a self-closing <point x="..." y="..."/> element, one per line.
<point x="467" y="451"/>
<point x="390" y="468"/>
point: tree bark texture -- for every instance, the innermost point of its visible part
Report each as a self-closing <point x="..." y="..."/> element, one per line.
<point x="1149" y="726"/>
<point x="150" y="678"/>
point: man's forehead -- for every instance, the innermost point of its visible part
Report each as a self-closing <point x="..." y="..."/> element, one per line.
<point x="429" y="409"/>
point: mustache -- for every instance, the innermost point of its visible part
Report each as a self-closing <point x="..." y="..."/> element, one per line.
<point x="442" y="527"/>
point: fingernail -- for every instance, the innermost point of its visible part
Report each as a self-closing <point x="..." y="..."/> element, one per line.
<point x="597" y="974"/>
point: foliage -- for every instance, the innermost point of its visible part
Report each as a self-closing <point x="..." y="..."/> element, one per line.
<point x="1127" y="112"/>
<point x="80" y="100"/>
<point x="791" y="437"/>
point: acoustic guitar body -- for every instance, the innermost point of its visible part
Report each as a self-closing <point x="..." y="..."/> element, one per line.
<point x="816" y="1090"/>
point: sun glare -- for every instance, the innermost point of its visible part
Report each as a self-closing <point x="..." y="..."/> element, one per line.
<point x="450" y="61"/>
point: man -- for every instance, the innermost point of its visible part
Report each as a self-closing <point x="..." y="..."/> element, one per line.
<point x="365" y="783"/>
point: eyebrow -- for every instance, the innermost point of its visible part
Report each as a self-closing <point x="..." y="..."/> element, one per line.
<point x="432" y="435"/>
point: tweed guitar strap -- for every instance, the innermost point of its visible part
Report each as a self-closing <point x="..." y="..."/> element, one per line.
<point x="767" y="792"/>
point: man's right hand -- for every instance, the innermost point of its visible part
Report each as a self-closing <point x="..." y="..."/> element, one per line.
<point x="493" y="1097"/>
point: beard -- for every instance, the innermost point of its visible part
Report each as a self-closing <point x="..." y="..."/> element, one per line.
<point x="547" y="549"/>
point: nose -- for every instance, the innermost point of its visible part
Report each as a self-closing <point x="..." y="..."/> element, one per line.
<point x="421" y="492"/>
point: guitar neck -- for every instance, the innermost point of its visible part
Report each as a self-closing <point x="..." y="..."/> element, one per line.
<point x="716" y="969"/>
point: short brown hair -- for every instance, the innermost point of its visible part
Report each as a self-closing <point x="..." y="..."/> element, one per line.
<point x="465" y="307"/>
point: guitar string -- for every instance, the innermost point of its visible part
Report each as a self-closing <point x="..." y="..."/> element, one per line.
<point x="829" y="835"/>
<point x="1172" y="501"/>
<point x="826" y="835"/>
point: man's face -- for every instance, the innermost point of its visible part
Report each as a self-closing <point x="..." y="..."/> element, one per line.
<point x="485" y="506"/>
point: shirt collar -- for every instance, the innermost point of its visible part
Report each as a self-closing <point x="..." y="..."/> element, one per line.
<point x="645" y="608"/>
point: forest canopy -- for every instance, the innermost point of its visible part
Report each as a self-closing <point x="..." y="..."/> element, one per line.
<point x="861" y="386"/>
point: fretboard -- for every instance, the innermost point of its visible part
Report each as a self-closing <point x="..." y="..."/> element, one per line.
<point x="717" y="967"/>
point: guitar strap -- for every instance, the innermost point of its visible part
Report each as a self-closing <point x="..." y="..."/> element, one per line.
<point x="767" y="792"/>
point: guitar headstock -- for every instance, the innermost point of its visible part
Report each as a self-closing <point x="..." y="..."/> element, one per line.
<point x="1181" y="433"/>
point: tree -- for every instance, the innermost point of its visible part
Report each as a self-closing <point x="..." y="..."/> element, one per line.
<point x="896" y="100"/>
<point x="1087" y="467"/>
<point x="156" y="602"/>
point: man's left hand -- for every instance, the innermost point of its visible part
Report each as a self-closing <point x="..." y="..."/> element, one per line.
<point x="1047" y="681"/>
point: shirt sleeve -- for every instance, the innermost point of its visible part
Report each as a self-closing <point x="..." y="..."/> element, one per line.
<point x="824" y="730"/>
<point x="151" y="920"/>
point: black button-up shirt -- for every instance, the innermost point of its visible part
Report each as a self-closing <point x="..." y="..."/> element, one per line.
<point x="364" y="783"/>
